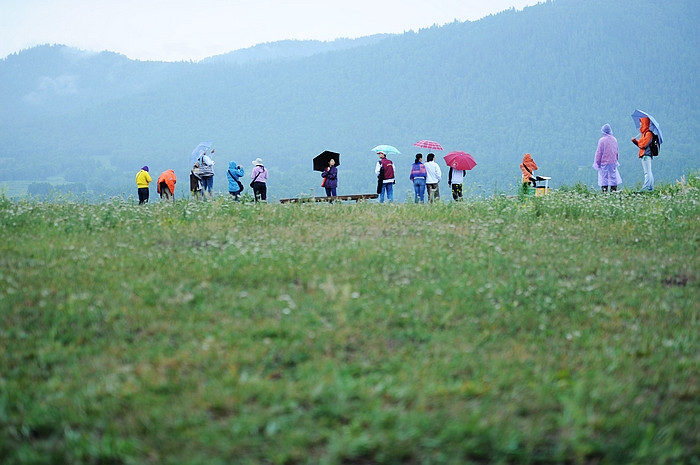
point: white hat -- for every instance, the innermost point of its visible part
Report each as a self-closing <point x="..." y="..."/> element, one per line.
<point x="257" y="162"/>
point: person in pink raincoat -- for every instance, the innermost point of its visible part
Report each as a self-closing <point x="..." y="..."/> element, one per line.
<point x="606" y="161"/>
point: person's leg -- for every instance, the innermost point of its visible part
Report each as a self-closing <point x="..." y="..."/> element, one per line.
<point x="143" y="195"/>
<point x="648" y="176"/>
<point x="415" y="190"/>
<point x="390" y="191"/>
<point x="421" y="190"/>
<point x="383" y="193"/>
<point x="651" y="175"/>
<point x="263" y="192"/>
<point x="210" y="185"/>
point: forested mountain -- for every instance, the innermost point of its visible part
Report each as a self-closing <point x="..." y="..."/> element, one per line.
<point x="290" y="50"/>
<point x="542" y="80"/>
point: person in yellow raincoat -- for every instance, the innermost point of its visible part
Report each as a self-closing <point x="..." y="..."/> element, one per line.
<point x="143" y="179"/>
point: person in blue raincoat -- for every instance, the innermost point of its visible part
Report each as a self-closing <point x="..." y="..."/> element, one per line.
<point x="234" y="173"/>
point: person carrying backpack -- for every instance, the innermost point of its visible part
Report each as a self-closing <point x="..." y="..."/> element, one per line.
<point x="645" y="155"/>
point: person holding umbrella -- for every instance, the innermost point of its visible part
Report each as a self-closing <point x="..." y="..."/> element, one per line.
<point x="206" y="173"/>
<point x="330" y="175"/>
<point x="143" y="179"/>
<point x="644" y="154"/>
<point x="385" y="174"/>
<point x="455" y="178"/>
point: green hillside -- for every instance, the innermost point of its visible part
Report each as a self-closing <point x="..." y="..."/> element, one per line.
<point x="554" y="330"/>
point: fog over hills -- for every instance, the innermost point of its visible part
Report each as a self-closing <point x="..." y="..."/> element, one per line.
<point x="542" y="80"/>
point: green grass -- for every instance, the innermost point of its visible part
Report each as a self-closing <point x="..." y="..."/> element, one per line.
<point x="557" y="329"/>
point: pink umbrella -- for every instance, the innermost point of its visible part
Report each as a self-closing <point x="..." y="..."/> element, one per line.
<point x="460" y="160"/>
<point x="428" y="144"/>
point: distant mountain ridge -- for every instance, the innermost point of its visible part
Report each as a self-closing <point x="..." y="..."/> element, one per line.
<point x="542" y="80"/>
<point x="290" y="50"/>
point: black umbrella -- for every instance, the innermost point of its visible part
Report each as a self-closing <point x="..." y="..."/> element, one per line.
<point x="321" y="161"/>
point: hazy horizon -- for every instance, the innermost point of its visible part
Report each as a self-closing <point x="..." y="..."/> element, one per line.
<point x="159" y="30"/>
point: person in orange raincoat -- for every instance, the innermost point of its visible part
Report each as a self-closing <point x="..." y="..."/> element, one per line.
<point x="166" y="185"/>
<point x="528" y="167"/>
<point x="644" y="143"/>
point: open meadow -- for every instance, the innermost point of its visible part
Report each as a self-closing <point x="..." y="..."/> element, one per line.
<point x="562" y="329"/>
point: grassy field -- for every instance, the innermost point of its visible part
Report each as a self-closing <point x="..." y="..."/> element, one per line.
<point x="554" y="330"/>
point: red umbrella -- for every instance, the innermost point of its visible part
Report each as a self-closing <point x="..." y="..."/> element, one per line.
<point x="460" y="160"/>
<point x="428" y="144"/>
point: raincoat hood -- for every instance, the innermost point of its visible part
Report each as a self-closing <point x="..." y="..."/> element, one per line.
<point x="168" y="177"/>
<point x="528" y="166"/>
<point x="606" y="129"/>
<point x="233" y="175"/>
<point x="644" y="124"/>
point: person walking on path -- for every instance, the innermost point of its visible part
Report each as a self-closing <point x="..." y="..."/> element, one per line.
<point x="455" y="178"/>
<point x="644" y="144"/>
<point x="418" y="176"/>
<point x="143" y="179"/>
<point x="432" y="180"/>
<point x="165" y="185"/>
<point x="331" y="177"/>
<point x="606" y="161"/>
<point x="206" y="174"/>
<point x="234" y="174"/>
<point x="385" y="174"/>
<point x="259" y="183"/>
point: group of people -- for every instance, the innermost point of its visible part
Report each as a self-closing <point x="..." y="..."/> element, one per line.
<point x="202" y="180"/>
<point x="165" y="184"/>
<point x="424" y="176"/>
<point x="606" y="160"/>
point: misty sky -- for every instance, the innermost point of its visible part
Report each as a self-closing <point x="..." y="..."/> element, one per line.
<point x="173" y="30"/>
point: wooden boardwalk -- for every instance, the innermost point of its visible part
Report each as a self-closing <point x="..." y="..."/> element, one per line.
<point x="338" y="198"/>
